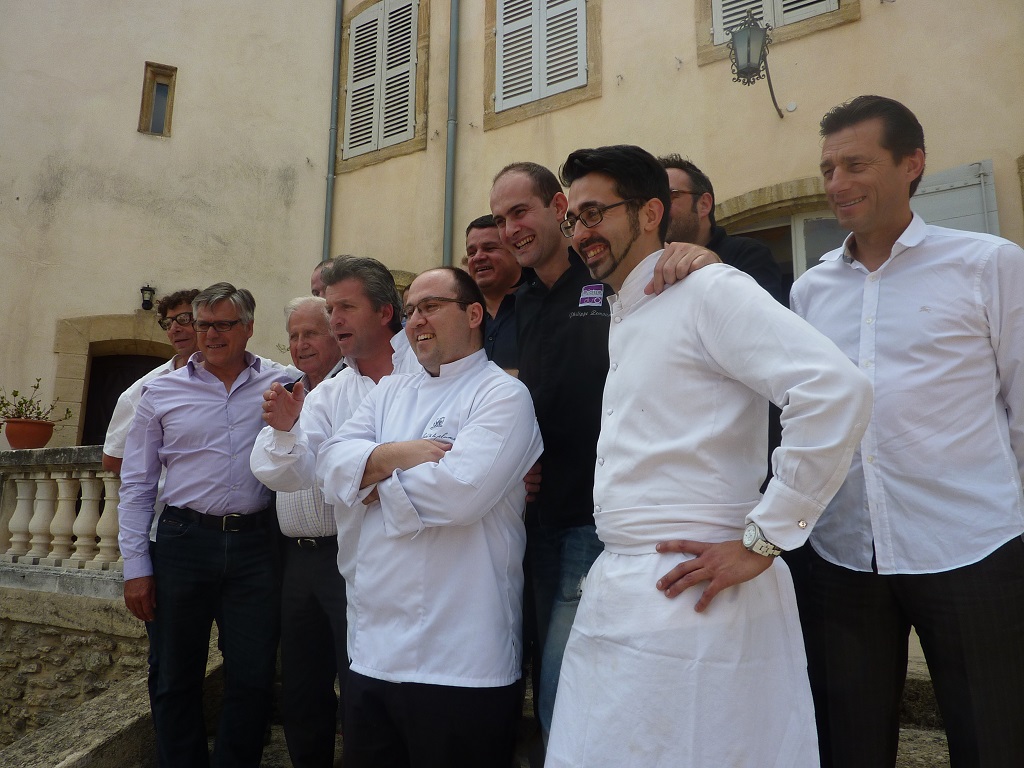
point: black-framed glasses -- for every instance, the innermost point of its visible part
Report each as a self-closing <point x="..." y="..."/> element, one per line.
<point x="590" y="217"/>
<point x="674" y="193"/>
<point x="184" y="318"/>
<point x="428" y="306"/>
<point x="220" y="326"/>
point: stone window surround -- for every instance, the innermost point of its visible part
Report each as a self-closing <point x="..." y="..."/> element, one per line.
<point x="419" y="140"/>
<point x="78" y="339"/>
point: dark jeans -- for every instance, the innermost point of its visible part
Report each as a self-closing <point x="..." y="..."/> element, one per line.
<point x="313" y="650"/>
<point x="560" y="559"/>
<point x="413" y="725"/>
<point x="971" y="624"/>
<point x="202" y="576"/>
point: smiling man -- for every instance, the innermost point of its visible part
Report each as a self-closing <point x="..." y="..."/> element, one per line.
<point x="431" y="467"/>
<point x="215" y="553"/>
<point x="712" y="677"/>
<point x="926" y="530"/>
<point x="497" y="273"/>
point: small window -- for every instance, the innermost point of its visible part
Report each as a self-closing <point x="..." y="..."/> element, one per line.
<point x="380" y="102"/>
<point x="727" y="14"/>
<point x="157" y="99"/>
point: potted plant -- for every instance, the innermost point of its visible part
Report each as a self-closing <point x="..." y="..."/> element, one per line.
<point x="28" y="420"/>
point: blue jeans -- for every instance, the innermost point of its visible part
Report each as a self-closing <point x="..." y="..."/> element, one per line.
<point x="560" y="559"/>
<point x="203" y="575"/>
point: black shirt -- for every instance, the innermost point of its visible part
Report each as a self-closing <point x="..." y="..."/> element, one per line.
<point x="563" y="360"/>
<point x="500" y="334"/>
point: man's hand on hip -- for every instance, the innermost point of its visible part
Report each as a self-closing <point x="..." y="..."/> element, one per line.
<point x="723" y="565"/>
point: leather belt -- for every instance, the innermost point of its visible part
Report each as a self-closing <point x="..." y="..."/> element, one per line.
<point x="313" y="542"/>
<point x="230" y="523"/>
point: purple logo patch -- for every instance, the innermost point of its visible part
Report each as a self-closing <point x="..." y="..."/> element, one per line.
<point x="592" y="295"/>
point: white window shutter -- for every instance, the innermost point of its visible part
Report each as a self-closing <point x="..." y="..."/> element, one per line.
<point x="792" y="11"/>
<point x="362" y="99"/>
<point x="398" y="98"/>
<point x="726" y="14"/>
<point x="565" y="46"/>
<point x="517" y="68"/>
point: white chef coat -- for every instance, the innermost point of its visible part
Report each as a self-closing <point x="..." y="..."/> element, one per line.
<point x="436" y="594"/>
<point x="646" y="680"/>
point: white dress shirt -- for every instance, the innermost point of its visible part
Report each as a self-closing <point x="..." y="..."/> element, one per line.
<point x="939" y="329"/>
<point x="436" y="594"/>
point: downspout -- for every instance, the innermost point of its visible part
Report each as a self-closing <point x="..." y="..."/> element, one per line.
<point x="453" y="102"/>
<point x="333" y="143"/>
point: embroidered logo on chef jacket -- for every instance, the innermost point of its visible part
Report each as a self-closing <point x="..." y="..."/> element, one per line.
<point x="592" y="295"/>
<point x="437" y="424"/>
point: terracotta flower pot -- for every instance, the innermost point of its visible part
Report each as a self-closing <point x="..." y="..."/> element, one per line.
<point x="28" y="433"/>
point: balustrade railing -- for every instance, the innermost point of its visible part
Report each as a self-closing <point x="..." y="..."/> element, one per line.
<point x="58" y="507"/>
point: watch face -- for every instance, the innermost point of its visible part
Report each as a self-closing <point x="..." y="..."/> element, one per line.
<point x="749" y="535"/>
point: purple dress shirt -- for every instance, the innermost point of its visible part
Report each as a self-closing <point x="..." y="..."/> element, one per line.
<point x="189" y="423"/>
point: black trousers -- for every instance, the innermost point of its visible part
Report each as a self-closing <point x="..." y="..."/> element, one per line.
<point x="413" y="725"/>
<point x="971" y="624"/>
<point x="313" y="650"/>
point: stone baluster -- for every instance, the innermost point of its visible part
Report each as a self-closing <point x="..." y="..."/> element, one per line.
<point x="107" y="527"/>
<point x="8" y="500"/>
<point x="85" y="524"/>
<point x="42" y="516"/>
<point x="21" y="518"/>
<point x="63" y="523"/>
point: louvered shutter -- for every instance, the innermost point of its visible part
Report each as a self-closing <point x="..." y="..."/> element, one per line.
<point x="565" y="46"/>
<point x="398" y="111"/>
<point x="366" y="38"/>
<point x="380" y="104"/>
<point x="541" y="50"/>
<point x="726" y="14"/>
<point x="791" y="11"/>
<point x="517" y="69"/>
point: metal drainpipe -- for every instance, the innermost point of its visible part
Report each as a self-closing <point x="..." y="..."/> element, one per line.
<point x="333" y="143"/>
<point x="453" y="102"/>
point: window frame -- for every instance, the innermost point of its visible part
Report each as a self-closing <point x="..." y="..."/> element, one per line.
<point x="155" y="74"/>
<point x="547" y="103"/>
<point x="418" y="138"/>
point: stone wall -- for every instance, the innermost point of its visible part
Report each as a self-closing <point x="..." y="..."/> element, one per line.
<point x="60" y="650"/>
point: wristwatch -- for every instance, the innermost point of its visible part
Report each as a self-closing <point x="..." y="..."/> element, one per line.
<point x="754" y="540"/>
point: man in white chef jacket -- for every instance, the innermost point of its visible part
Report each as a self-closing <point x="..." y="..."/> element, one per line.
<point x="432" y="464"/>
<point x="699" y="662"/>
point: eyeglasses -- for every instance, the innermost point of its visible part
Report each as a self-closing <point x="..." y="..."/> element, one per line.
<point x="674" y="193"/>
<point x="221" y="326"/>
<point x="185" y="318"/>
<point x="590" y="217"/>
<point x="428" y="306"/>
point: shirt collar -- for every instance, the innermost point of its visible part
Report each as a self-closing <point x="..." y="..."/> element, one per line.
<point x="632" y="290"/>
<point x="463" y="364"/>
<point x="912" y="236"/>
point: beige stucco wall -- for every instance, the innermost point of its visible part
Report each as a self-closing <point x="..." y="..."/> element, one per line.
<point x="955" y="64"/>
<point x="90" y="209"/>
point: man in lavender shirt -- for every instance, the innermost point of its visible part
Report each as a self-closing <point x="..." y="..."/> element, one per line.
<point x="216" y="552"/>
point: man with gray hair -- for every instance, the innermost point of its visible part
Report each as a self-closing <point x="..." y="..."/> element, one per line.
<point x="216" y="552"/>
<point x="313" y="629"/>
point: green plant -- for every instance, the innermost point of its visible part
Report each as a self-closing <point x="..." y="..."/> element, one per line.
<point x="18" y="406"/>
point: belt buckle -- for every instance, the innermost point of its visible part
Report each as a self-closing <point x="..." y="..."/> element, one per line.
<point x="306" y="542"/>
<point x="235" y="526"/>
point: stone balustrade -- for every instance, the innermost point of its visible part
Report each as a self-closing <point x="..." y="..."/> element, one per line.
<point x="58" y="507"/>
